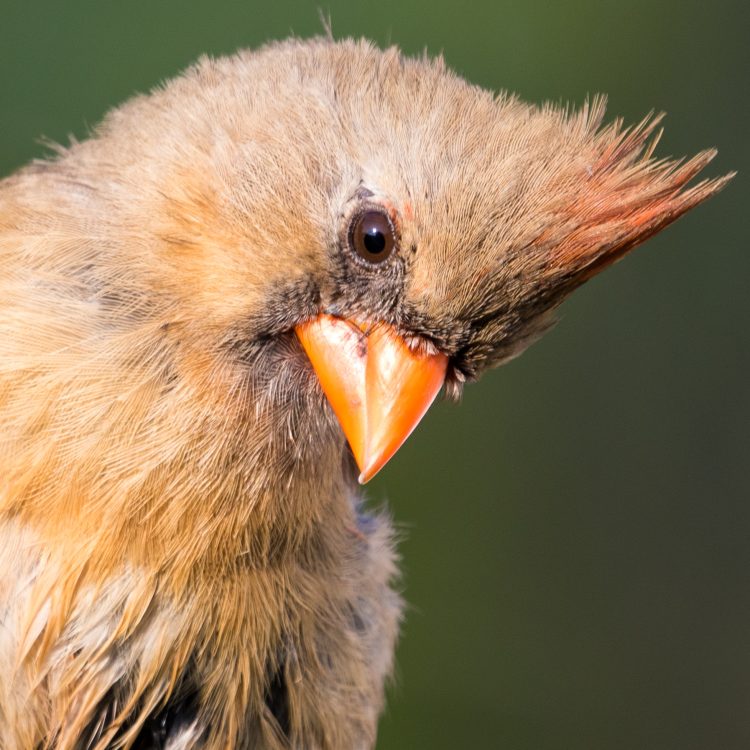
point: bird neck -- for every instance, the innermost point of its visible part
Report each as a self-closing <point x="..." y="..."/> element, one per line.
<point x="192" y="468"/>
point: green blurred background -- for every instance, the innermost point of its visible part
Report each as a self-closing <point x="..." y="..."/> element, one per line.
<point x="577" y="532"/>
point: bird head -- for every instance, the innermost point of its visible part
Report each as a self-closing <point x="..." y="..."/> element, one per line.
<point x="376" y="228"/>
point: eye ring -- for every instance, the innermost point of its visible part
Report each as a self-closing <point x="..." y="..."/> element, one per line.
<point x="372" y="235"/>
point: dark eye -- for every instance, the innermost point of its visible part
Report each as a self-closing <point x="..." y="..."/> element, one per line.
<point x="371" y="236"/>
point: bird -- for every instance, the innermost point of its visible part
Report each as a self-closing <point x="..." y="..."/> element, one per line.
<point x="220" y="314"/>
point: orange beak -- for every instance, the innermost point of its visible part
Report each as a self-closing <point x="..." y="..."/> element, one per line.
<point x="378" y="387"/>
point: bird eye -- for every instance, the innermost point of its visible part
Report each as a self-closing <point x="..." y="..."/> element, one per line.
<point x="372" y="236"/>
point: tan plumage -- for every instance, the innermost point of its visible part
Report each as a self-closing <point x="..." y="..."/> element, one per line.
<point x="178" y="512"/>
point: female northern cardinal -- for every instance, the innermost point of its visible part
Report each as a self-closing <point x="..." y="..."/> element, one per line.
<point x="184" y="559"/>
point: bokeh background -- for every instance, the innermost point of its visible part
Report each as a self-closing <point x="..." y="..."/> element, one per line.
<point x="577" y="532"/>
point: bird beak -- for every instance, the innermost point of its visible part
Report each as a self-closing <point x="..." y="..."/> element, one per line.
<point x="378" y="387"/>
